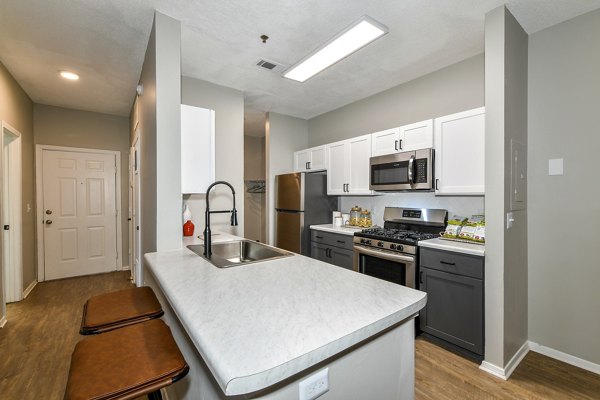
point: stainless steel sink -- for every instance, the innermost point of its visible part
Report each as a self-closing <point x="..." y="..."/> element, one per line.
<point x="239" y="252"/>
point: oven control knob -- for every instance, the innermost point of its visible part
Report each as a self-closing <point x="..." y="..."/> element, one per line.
<point x="380" y="244"/>
<point x="400" y="247"/>
<point x="363" y="241"/>
<point x="368" y="242"/>
<point x="392" y="247"/>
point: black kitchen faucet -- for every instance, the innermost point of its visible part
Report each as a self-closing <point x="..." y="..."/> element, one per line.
<point x="207" y="241"/>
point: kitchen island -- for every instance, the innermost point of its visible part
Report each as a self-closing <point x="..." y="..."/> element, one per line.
<point x="257" y="330"/>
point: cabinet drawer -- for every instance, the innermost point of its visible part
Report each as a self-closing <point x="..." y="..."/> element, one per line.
<point x="331" y="239"/>
<point x="455" y="263"/>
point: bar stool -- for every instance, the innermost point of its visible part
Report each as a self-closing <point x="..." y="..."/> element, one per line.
<point x="114" y="310"/>
<point x="126" y="363"/>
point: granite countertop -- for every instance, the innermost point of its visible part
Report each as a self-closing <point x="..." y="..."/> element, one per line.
<point x="459" y="247"/>
<point x="336" y="229"/>
<point x="258" y="324"/>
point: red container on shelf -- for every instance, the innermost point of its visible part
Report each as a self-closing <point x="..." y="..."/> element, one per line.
<point x="188" y="228"/>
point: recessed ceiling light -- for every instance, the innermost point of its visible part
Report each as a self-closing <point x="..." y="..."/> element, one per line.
<point x="351" y="39"/>
<point x="72" y="76"/>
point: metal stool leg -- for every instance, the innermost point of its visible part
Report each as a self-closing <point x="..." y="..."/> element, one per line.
<point x="155" y="395"/>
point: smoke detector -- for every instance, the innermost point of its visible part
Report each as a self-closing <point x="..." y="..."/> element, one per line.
<point x="270" y="65"/>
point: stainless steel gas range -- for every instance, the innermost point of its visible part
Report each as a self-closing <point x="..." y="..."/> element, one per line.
<point x="391" y="253"/>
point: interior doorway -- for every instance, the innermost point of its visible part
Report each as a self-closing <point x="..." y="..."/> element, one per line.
<point x="78" y="203"/>
<point x="255" y="198"/>
<point x="12" y="265"/>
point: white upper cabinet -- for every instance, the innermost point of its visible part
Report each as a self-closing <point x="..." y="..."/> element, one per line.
<point x="197" y="149"/>
<point x="385" y="142"/>
<point x="405" y="138"/>
<point x="313" y="159"/>
<point x="348" y="166"/>
<point x="416" y="136"/>
<point x="460" y="153"/>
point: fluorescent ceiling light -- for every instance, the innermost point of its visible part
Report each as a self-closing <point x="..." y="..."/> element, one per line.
<point x="72" y="76"/>
<point x="356" y="36"/>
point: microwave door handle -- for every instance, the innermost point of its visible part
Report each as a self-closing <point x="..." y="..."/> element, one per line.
<point x="411" y="163"/>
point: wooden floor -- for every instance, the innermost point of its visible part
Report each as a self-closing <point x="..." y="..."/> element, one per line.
<point x="443" y="375"/>
<point x="36" y="346"/>
<point x="42" y="330"/>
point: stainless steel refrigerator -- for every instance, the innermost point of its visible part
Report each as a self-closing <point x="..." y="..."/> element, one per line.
<point x="301" y="201"/>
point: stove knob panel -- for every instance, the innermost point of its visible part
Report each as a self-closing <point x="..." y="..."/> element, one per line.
<point x="392" y="247"/>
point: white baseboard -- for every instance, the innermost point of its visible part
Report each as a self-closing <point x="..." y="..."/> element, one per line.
<point x="29" y="289"/>
<point x="3" y="321"/>
<point x="125" y="268"/>
<point x="506" y="372"/>
<point x="564" y="357"/>
<point x="492" y="369"/>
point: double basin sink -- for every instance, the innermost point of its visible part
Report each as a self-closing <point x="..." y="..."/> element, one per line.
<point x="239" y="252"/>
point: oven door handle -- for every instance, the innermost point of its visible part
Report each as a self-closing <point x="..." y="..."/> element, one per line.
<point x="384" y="255"/>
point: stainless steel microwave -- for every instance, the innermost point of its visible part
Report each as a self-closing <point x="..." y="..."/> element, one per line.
<point x="408" y="170"/>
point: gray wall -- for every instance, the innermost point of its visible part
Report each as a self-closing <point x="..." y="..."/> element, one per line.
<point x="254" y="203"/>
<point x="74" y="128"/>
<point x="228" y="105"/>
<point x="456" y="88"/>
<point x="284" y="136"/>
<point x="564" y="272"/>
<point x="160" y="124"/>
<point x="506" y="249"/>
<point x="16" y="108"/>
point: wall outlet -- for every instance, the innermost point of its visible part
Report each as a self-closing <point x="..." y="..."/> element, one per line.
<point x="315" y="385"/>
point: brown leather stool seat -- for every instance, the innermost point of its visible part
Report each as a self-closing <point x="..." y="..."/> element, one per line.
<point x="125" y="363"/>
<point x="118" y="309"/>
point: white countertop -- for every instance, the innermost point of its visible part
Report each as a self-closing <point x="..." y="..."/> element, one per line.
<point x="336" y="229"/>
<point x="448" y="245"/>
<point x="258" y="324"/>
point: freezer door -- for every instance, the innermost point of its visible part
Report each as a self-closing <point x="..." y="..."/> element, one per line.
<point x="289" y="192"/>
<point x="288" y="230"/>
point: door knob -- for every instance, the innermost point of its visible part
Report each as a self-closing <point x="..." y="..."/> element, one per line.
<point x="48" y="212"/>
<point x="48" y="222"/>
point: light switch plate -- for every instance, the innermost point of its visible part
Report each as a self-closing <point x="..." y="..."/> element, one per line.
<point x="555" y="166"/>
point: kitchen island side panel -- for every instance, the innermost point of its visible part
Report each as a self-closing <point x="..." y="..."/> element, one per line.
<point x="381" y="368"/>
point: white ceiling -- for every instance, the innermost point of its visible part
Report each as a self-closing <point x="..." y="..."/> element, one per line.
<point x="104" y="41"/>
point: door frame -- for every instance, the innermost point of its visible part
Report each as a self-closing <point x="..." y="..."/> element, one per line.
<point x="136" y="244"/>
<point x="39" y="197"/>
<point x="13" y="278"/>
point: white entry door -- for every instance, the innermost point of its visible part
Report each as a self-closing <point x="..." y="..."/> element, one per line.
<point x="79" y="213"/>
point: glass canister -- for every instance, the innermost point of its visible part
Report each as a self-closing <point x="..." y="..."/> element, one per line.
<point x="355" y="215"/>
<point x="365" y="220"/>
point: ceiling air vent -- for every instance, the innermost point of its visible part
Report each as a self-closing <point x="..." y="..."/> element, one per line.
<point x="270" y="65"/>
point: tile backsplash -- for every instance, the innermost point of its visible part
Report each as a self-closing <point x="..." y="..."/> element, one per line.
<point x="461" y="205"/>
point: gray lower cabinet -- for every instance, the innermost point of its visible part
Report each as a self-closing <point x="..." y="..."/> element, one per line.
<point x="454" y="286"/>
<point x="332" y="248"/>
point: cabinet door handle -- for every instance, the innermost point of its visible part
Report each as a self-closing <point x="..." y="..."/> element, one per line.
<point x="341" y="241"/>
<point x="400" y="144"/>
<point x="319" y="237"/>
<point x="328" y="252"/>
<point x="421" y="277"/>
<point x="447" y="263"/>
<point x="436" y="184"/>
<point x="308" y="164"/>
<point x="396" y="145"/>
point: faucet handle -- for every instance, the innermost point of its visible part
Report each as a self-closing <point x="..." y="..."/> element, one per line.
<point x="234" y="220"/>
